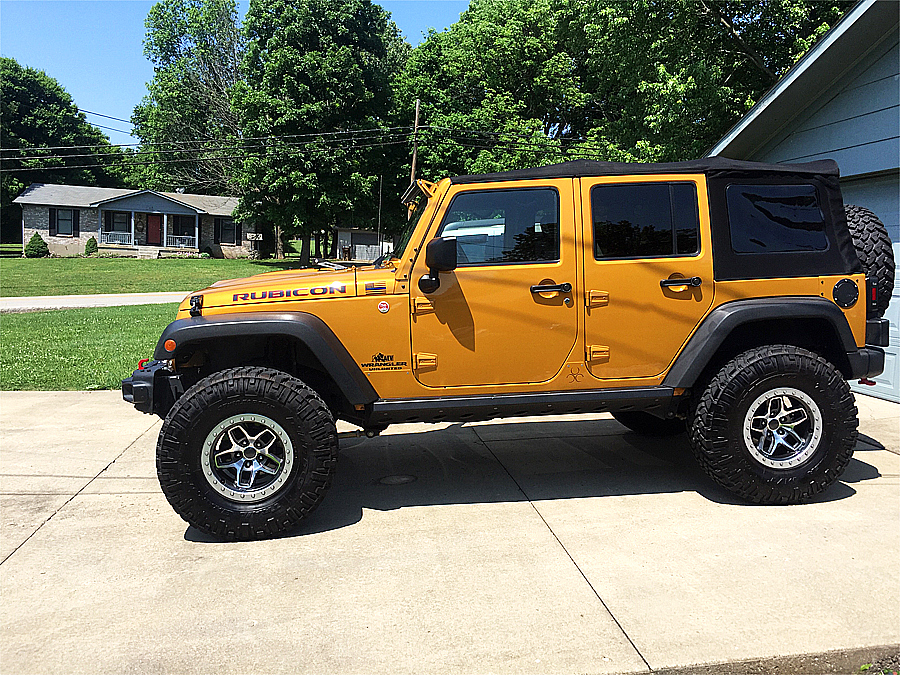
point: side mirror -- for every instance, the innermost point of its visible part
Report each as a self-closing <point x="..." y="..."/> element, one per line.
<point x="440" y="256"/>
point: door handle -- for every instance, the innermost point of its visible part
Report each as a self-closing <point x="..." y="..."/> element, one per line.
<point x="693" y="281"/>
<point x="551" y="288"/>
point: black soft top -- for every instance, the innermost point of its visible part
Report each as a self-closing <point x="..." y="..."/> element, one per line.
<point x="713" y="166"/>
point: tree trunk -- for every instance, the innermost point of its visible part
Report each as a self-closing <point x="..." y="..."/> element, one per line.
<point x="304" y="251"/>
<point x="318" y="249"/>
<point x="279" y="245"/>
<point x="334" y="244"/>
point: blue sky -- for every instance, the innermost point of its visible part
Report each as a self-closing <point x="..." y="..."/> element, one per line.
<point x="94" y="47"/>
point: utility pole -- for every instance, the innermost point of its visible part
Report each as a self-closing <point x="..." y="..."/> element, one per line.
<point x="380" y="182"/>
<point x="412" y="172"/>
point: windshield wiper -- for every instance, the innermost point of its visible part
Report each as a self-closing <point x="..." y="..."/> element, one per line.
<point x="327" y="264"/>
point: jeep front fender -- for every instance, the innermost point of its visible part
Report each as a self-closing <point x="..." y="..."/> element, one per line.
<point x="307" y="328"/>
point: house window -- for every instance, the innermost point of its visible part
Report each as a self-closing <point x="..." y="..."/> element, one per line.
<point x="227" y="232"/>
<point x="117" y="221"/>
<point x="183" y="226"/>
<point x="64" y="222"/>
<point x="645" y="220"/>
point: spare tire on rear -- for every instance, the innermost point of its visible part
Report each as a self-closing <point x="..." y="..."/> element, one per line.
<point x="873" y="248"/>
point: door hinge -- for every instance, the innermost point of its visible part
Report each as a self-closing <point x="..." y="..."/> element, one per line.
<point x="422" y="306"/>
<point x="598" y="353"/>
<point x="597" y="298"/>
<point x="424" y="360"/>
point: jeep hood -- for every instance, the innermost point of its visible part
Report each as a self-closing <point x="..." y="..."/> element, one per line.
<point x="279" y="290"/>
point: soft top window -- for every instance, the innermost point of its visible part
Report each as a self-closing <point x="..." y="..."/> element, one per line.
<point x="775" y="219"/>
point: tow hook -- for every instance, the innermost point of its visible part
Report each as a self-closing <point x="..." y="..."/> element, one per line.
<point x="867" y="381"/>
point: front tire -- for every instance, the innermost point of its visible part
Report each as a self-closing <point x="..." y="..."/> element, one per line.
<point x="247" y="453"/>
<point x="776" y="425"/>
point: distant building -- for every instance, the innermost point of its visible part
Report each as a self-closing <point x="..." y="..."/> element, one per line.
<point x="136" y="223"/>
<point x="841" y="101"/>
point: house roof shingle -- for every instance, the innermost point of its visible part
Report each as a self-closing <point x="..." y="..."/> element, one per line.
<point x="83" y="196"/>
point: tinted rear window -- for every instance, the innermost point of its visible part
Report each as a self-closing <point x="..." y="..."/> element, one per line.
<point x="775" y="219"/>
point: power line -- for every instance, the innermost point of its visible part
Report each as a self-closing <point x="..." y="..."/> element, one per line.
<point x="125" y="163"/>
<point x="109" y="117"/>
<point x="210" y="140"/>
<point x="327" y="142"/>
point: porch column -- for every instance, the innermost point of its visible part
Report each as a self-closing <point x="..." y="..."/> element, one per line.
<point x="165" y="228"/>
<point x="133" y="240"/>
<point x="99" y="226"/>
<point x="197" y="230"/>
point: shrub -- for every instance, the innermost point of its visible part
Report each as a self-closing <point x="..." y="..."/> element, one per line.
<point x="90" y="247"/>
<point x="36" y="247"/>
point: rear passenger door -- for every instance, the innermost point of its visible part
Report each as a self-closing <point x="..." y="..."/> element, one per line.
<point x="642" y="235"/>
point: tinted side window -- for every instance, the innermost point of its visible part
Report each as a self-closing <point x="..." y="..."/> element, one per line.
<point x="775" y="218"/>
<point x="504" y="226"/>
<point x="645" y="220"/>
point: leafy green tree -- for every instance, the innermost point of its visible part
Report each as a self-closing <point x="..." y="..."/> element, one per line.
<point x="189" y="131"/>
<point x="39" y="125"/>
<point x="649" y="80"/>
<point x="317" y="74"/>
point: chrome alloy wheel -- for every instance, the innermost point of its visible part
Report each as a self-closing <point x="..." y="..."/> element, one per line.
<point x="247" y="458"/>
<point x="782" y="428"/>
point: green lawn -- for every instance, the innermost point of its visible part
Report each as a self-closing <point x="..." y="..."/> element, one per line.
<point x="78" y="348"/>
<point x="85" y="276"/>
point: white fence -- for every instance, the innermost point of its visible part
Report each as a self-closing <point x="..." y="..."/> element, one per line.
<point x="181" y="242"/>
<point x="366" y="252"/>
<point x="115" y="238"/>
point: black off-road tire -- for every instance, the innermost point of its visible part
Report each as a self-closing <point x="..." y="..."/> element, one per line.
<point x="645" y="424"/>
<point x="873" y="248"/>
<point x="196" y="434"/>
<point x="717" y="431"/>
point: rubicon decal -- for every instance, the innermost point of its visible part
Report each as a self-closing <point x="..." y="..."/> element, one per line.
<point x="288" y="293"/>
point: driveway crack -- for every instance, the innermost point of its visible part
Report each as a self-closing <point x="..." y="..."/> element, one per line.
<point x="563" y="547"/>
<point x="80" y="490"/>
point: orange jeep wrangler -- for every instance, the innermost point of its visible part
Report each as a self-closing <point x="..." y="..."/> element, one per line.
<point x="731" y="300"/>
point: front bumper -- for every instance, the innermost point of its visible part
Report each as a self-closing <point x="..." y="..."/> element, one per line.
<point x="153" y="388"/>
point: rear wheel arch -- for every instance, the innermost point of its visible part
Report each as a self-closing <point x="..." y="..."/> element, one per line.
<point x="809" y="323"/>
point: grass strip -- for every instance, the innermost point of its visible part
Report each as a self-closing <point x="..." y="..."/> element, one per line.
<point x="76" y="349"/>
<point x="88" y="276"/>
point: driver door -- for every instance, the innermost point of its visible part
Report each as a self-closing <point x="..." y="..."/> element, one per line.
<point x="485" y="325"/>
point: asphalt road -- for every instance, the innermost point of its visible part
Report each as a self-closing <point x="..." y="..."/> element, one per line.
<point x="539" y="545"/>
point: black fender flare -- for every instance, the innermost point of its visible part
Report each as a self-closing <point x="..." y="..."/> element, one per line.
<point x="307" y="328"/>
<point x="720" y="322"/>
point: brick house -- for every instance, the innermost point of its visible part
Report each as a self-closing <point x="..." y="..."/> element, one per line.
<point x="141" y="223"/>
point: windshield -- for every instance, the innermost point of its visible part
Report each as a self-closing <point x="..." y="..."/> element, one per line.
<point x="406" y="234"/>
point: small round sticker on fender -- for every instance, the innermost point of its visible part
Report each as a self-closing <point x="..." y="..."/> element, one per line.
<point x="383" y="306"/>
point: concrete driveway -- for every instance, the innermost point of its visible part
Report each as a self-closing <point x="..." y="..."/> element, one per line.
<point x="552" y="545"/>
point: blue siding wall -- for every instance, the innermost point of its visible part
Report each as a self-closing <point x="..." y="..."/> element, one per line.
<point x="856" y="123"/>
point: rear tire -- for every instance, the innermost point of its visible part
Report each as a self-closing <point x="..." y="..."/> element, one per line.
<point x="247" y="453"/>
<point x="874" y="250"/>
<point x="776" y="425"/>
<point x="645" y="424"/>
